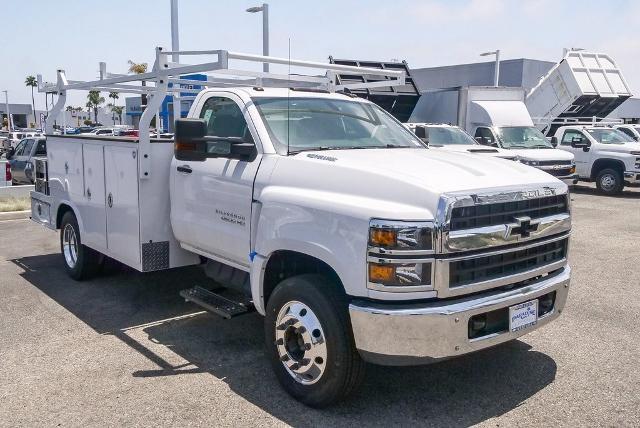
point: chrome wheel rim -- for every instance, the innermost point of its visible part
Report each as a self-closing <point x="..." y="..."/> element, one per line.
<point x="608" y="182"/>
<point x="70" y="246"/>
<point x="300" y="342"/>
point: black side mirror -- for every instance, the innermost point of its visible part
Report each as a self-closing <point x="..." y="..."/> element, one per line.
<point x="580" y="143"/>
<point x="554" y="141"/>
<point x="421" y="133"/>
<point x="192" y="143"/>
<point x="189" y="140"/>
<point x="10" y="152"/>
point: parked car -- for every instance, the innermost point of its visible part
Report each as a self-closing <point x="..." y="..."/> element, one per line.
<point x="13" y="138"/>
<point x="605" y="155"/>
<point x="101" y="132"/>
<point x="21" y="159"/>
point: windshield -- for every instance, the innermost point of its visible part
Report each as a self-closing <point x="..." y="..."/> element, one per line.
<point x="610" y="136"/>
<point x="448" y="136"/>
<point x="326" y="124"/>
<point x="522" y="137"/>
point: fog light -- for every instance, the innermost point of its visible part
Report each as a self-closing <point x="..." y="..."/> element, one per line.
<point x="381" y="273"/>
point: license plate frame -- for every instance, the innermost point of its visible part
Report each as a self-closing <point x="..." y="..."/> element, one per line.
<point x="523" y="315"/>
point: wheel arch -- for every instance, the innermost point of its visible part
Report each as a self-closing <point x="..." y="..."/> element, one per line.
<point x="605" y="163"/>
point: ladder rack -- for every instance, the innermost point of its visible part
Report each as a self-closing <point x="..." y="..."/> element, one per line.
<point x="219" y="74"/>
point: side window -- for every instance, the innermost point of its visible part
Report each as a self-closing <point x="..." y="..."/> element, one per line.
<point x="224" y="118"/>
<point x="486" y="134"/>
<point x="41" y="150"/>
<point x="19" y="148"/>
<point x="28" y="146"/>
<point x="570" y="135"/>
<point x="627" y="131"/>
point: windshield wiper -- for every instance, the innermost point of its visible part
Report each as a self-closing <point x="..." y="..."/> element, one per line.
<point x="542" y="146"/>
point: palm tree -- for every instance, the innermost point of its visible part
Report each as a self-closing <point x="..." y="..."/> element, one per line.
<point x="94" y="102"/>
<point x="139" y="68"/>
<point x="118" y="110"/>
<point x="114" y="96"/>
<point x="31" y="82"/>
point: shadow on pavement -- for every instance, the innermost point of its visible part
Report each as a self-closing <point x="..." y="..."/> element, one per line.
<point x="458" y="392"/>
<point x="627" y="193"/>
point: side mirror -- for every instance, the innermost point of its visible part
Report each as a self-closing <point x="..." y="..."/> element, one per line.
<point x="554" y="141"/>
<point x="10" y="152"/>
<point x="580" y="143"/>
<point x="192" y="143"/>
<point x="189" y="140"/>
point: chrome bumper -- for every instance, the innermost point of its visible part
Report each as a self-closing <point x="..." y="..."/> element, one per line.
<point x="632" y="177"/>
<point x="569" y="179"/>
<point x="408" y="334"/>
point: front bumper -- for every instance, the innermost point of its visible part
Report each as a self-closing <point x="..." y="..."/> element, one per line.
<point x="569" y="179"/>
<point x="632" y="177"/>
<point x="409" y="334"/>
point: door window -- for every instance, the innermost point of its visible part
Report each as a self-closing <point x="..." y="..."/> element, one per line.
<point x="28" y="146"/>
<point x="570" y="135"/>
<point x="19" y="148"/>
<point x="41" y="150"/>
<point x="486" y="134"/>
<point x="627" y="131"/>
<point x="224" y="118"/>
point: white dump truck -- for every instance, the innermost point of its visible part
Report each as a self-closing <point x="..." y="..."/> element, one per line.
<point x="496" y="117"/>
<point x="316" y="209"/>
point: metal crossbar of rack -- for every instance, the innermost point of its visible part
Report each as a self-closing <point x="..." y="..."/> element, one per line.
<point x="586" y="121"/>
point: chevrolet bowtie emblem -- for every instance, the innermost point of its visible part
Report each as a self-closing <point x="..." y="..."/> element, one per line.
<point x="523" y="226"/>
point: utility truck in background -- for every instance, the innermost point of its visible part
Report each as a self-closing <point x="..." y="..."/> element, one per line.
<point x="496" y="117"/>
<point x="316" y="209"/>
<point x="603" y="153"/>
<point x="453" y="138"/>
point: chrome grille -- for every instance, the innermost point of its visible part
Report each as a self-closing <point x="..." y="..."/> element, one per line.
<point x="468" y="217"/>
<point x="486" y="268"/>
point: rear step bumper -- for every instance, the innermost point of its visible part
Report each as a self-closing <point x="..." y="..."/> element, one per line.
<point x="215" y="303"/>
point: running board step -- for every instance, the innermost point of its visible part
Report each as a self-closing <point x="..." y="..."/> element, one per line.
<point x="215" y="303"/>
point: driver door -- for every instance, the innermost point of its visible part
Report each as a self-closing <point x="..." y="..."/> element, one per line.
<point x="212" y="199"/>
<point x="582" y="158"/>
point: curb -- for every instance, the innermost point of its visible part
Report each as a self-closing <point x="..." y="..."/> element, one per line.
<point x="15" y="215"/>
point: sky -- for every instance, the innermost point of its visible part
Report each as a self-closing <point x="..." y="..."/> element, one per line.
<point x="40" y="36"/>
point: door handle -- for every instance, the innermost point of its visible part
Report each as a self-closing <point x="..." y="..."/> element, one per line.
<point x="88" y="193"/>
<point x="110" y="200"/>
<point x="186" y="169"/>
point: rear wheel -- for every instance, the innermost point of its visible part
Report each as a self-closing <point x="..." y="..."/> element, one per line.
<point x="609" y="181"/>
<point x="309" y="341"/>
<point x="80" y="261"/>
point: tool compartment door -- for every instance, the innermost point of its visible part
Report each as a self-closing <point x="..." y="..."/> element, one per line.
<point x="94" y="216"/>
<point x="123" y="213"/>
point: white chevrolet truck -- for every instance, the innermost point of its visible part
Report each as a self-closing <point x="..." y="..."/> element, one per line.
<point x="603" y="154"/>
<point x="321" y="212"/>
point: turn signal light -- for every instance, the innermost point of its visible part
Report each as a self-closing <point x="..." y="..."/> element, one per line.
<point x="381" y="273"/>
<point x="7" y="172"/>
<point x="572" y="170"/>
<point x="383" y="237"/>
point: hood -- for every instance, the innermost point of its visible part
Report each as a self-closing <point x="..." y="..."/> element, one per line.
<point x="477" y="149"/>
<point x="409" y="180"/>
<point x="621" y="148"/>
<point x="542" y="154"/>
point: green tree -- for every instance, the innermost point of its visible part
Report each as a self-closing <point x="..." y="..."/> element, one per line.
<point x="94" y="101"/>
<point x="31" y="82"/>
<point x="114" y="96"/>
<point x="117" y="110"/>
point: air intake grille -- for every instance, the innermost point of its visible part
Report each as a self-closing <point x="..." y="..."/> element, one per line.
<point x="463" y="272"/>
<point x="505" y="212"/>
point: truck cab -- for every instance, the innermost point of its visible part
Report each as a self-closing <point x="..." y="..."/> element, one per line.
<point x="531" y="147"/>
<point x="455" y="139"/>
<point x="603" y="154"/>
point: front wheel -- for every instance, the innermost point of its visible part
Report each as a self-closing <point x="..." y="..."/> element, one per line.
<point x="309" y="341"/>
<point x="80" y="261"/>
<point x="609" y="181"/>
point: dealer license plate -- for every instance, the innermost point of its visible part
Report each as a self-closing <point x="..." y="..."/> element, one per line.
<point x="523" y="315"/>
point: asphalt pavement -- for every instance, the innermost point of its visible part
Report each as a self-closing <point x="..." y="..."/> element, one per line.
<point x="125" y="349"/>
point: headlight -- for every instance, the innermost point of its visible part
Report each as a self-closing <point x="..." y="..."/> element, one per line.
<point x="530" y="162"/>
<point x="400" y="255"/>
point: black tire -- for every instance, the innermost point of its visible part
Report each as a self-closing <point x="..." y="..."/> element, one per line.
<point x="87" y="261"/>
<point x="344" y="369"/>
<point x="610" y="181"/>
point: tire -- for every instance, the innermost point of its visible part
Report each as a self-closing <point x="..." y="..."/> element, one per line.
<point x="609" y="181"/>
<point x="328" y="370"/>
<point x="80" y="261"/>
